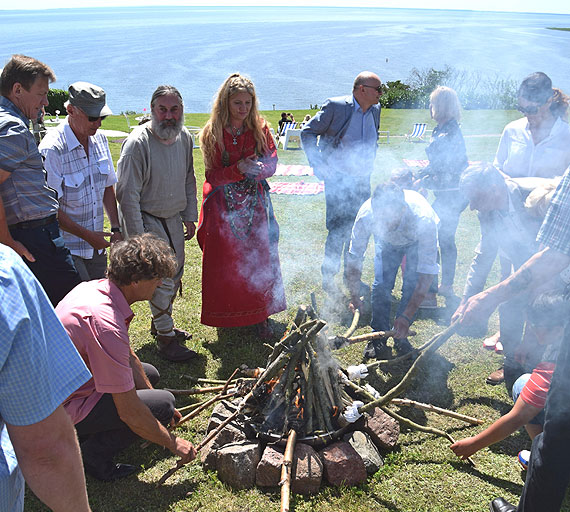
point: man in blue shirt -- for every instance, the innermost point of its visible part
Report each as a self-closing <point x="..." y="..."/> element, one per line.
<point x="28" y="207"/>
<point x="340" y="142"/>
<point x="39" y="368"/>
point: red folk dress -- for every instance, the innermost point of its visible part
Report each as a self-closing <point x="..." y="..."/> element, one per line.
<point x="241" y="274"/>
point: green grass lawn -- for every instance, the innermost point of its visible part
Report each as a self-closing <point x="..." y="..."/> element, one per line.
<point x="422" y="474"/>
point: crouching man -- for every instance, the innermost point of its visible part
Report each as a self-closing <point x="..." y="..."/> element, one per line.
<point x="119" y="402"/>
<point x="403" y="224"/>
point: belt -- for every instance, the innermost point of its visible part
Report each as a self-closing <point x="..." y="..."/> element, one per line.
<point x="36" y="223"/>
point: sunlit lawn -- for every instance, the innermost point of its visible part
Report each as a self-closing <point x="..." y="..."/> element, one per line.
<point x="422" y="474"/>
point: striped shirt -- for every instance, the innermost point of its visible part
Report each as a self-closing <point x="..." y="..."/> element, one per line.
<point x="25" y="194"/>
<point x="555" y="230"/>
<point x="39" y="366"/>
<point x="537" y="386"/>
<point x="79" y="181"/>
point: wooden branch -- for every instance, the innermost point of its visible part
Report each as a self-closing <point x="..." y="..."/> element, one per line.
<point x="199" y="409"/>
<point x="225" y="388"/>
<point x="287" y="471"/>
<point x="430" y="430"/>
<point x="405" y="402"/>
<point x="196" y="391"/>
<point x="353" y="325"/>
<point x="430" y="347"/>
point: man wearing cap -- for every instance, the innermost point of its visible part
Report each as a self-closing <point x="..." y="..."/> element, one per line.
<point x="80" y="169"/>
<point x="157" y="194"/>
<point x="28" y="206"/>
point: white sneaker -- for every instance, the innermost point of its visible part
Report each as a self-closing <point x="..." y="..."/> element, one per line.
<point x="523" y="458"/>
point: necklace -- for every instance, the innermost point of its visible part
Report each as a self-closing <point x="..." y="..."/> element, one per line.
<point x="236" y="132"/>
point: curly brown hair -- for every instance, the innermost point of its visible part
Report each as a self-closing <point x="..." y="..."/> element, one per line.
<point x="141" y="257"/>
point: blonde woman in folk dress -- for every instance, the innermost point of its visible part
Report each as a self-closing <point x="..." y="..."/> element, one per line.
<point x="238" y="233"/>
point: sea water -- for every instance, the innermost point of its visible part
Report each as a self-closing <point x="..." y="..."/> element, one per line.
<point x="296" y="56"/>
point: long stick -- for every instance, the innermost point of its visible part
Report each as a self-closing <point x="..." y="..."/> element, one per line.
<point x="195" y="391"/>
<point x="287" y="471"/>
<point x="406" y="402"/>
<point x="431" y="346"/>
<point x="354" y="324"/>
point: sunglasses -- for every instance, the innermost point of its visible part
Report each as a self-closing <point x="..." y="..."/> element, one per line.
<point x="92" y="119"/>
<point x="378" y="89"/>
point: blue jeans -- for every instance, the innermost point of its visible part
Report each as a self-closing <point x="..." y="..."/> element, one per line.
<point x="54" y="267"/>
<point x="517" y="390"/>
<point x="386" y="263"/>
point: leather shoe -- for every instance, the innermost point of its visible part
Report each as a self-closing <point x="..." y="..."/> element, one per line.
<point x="169" y="348"/>
<point x="403" y="347"/>
<point x="115" y="472"/>
<point x="500" y="505"/>
<point x="496" y="377"/>
<point x="180" y="334"/>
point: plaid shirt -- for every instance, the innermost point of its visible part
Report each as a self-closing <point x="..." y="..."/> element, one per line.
<point x="25" y="194"/>
<point x="39" y="365"/>
<point x="79" y="181"/>
<point x="555" y="230"/>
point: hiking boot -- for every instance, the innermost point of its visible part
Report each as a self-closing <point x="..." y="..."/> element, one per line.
<point x="169" y="348"/>
<point x="376" y="349"/>
<point x="497" y="377"/>
<point x="180" y="334"/>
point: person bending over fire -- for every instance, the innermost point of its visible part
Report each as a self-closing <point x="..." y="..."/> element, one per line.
<point x="403" y="223"/>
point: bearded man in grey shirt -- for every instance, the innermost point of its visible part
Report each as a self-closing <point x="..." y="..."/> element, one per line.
<point x="156" y="191"/>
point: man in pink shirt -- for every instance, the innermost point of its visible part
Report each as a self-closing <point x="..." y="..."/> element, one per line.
<point x="119" y="403"/>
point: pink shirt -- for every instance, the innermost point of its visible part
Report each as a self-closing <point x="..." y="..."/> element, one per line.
<point x="96" y="316"/>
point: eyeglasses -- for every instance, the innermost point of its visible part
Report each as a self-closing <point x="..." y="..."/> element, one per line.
<point x="92" y="119"/>
<point x="378" y="89"/>
<point x="530" y="110"/>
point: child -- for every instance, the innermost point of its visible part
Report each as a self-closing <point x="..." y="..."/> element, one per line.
<point x="546" y="316"/>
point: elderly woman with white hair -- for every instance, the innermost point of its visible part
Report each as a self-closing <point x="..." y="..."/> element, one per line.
<point x="447" y="159"/>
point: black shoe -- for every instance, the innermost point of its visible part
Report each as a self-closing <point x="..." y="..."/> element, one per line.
<point x="403" y="347"/>
<point x="170" y="348"/>
<point x="115" y="472"/>
<point x="500" y="505"/>
<point x="377" y="350"/>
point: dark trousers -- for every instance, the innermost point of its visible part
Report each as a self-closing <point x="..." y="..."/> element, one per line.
<point x="102" y="434"/>
<point x="385" y="270"/>
<point x="548" y="470"/>
<point x="53" y="267"/>
<point x="344" y="196"/>
<point x="448" y="206"/>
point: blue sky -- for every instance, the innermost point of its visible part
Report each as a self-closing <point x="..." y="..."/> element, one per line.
<point x="549" y="6"/>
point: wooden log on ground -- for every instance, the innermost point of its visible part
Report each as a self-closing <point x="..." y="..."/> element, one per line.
<point x="287" y="470"/>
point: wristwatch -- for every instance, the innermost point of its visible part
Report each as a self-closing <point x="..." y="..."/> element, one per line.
<point x="116" y="230"/>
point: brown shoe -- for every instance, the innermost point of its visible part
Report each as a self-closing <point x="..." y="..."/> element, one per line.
<point x="169" y="347"/>
<point x="497" y="377"/>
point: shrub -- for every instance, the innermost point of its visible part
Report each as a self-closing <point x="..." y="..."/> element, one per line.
<point x="56" y="99"/>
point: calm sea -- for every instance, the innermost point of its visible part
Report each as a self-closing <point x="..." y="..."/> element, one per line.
<point x="296" y="56"/>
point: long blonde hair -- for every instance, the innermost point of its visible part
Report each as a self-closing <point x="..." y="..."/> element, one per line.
<point x="212" y="135"/>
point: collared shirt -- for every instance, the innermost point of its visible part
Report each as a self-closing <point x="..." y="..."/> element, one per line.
<point x="39" y="366"/>
<point x="555" y="230"/>
<point x="358" y="143"/>
<point x="25" y="194"/>
<point x="79" y="181"/>
<point x="96" y="316"/>
<point x="419" y="224"/>
<point x="518" y="156"/>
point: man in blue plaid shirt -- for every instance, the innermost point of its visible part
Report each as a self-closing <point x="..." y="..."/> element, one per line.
<point x="548" y="471"/>
<point x="39" y="369"/>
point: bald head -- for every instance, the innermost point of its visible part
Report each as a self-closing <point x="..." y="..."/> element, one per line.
<point x="366" y="89"/>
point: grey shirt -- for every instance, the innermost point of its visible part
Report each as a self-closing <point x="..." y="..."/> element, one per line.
<point x="155" y="178"/>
